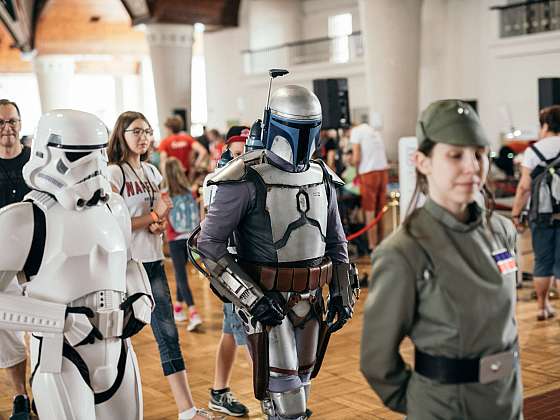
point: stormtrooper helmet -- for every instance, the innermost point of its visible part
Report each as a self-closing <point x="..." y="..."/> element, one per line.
<point x="294" y="125"/>
<point x="69" y="160"/>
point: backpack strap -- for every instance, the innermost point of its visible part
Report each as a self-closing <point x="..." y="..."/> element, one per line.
<point x="538" y="153"/>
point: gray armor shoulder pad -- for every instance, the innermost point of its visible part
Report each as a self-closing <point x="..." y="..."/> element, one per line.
<point x="333" y="177"/>
<point x="236" y="170"/>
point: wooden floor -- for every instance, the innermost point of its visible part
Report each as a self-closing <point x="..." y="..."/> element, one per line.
<point x="339" y="392"/>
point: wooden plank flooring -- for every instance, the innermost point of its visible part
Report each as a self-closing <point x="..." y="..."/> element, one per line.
<point x="339" y="392"/>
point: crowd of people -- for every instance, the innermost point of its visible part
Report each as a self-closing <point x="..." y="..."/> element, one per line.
<point x="452" y="235"/>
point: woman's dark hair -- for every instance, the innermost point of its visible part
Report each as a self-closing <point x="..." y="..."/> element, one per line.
<point x="117" y="150"/>
<point x="421" y="187"/>
<point x="4" y="102"/>
<point x="551" y="117"/>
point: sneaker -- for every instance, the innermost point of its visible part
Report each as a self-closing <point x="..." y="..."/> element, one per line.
<point x="205" y="414"/>
<point x="21" y="409"/>
<point x="179" y="316"/>
<point x="194" y="321"/>
<point x="223" y="401"/>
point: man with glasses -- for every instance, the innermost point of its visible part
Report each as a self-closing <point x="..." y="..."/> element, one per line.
<point x="13" y="156"/>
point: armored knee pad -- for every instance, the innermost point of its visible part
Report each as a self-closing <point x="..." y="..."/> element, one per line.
<point x="289" y="404"/>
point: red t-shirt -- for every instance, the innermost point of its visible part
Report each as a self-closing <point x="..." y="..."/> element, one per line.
<point x="178" y="146"/>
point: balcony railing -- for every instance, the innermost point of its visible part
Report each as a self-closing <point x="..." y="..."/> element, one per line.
<point x="529" y="17"/>
<point x="343" y="49"/>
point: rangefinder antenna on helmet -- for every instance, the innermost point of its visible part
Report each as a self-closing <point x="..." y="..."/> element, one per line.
<point x="258" y="129"/>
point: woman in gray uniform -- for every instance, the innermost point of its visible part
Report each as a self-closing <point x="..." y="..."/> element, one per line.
<point x="446" y="279"/>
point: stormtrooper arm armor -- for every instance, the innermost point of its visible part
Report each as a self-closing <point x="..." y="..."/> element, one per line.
<point x="21" y="313"/>
<point x="139" y="303"/>
<point x="232" y="284"/>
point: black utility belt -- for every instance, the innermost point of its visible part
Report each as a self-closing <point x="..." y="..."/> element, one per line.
<point x="459" y="371"/>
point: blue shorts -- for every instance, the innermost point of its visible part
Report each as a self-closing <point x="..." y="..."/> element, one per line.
<point x="234" y="325"/>
<point x="546" y="247"/>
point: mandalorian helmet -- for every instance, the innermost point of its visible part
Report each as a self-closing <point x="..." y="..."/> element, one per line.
<point x="69" y="160"/>
<point x="294" y="125"/>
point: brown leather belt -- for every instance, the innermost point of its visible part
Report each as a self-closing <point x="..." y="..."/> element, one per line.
<point x="287" y="279"/>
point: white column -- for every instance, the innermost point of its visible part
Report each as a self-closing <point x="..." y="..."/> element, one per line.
<point x="54" y="77"/>
<point x="171" y="54"/>
<point x="391" y="36"/>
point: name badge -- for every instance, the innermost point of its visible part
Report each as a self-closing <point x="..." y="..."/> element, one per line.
<point x="505" y="261"/>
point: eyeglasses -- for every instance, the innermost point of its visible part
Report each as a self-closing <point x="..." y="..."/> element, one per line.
<point x="13" y="123"/>
<point x="137" y="132"/>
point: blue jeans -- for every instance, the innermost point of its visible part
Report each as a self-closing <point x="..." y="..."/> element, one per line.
<point x="163" y="324"/>
<point x="178" y="251"/>
<point x="546" y="247"/>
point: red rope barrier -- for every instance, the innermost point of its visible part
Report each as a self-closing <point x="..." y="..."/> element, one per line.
<point x="369" y="226"/>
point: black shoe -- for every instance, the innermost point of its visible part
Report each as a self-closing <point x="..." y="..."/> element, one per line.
<point x="21" y="409"/>
<point x="223" y="401"/>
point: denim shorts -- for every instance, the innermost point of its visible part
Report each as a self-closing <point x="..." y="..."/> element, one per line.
<point x="546" y="247"/>
<point x="234" y="325"/>
<point x="163" y="324"/>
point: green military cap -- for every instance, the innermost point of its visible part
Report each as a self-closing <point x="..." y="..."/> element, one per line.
<point x="451" y="121"/>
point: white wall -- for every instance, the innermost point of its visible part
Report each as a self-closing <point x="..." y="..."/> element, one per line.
<point x="232" y="95"/>
<point x="462" y="56"/>
<point x="316" y="16"/>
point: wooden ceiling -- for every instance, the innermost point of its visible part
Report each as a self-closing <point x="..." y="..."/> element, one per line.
<point x="96" y="26"/>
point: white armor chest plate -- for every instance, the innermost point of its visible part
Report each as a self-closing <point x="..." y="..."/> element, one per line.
<point x="298" y="206"/>
<point x="84" y="252"/>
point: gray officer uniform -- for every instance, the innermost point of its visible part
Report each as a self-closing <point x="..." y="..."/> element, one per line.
<point x="451" y="287"/>
<point x="449" y="297"/>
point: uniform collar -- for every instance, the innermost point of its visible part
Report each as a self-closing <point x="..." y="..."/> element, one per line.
<point x="444" y="217"/>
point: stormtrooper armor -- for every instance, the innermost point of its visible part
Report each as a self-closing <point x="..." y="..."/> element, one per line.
<point x="84" y="296"/>
<point x="290" y="244"/>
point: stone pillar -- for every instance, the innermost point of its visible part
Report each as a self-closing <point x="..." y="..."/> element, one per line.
<point x="391" y="37"/>
<point x="171" y="54"/>
<point x="54" y="77"/>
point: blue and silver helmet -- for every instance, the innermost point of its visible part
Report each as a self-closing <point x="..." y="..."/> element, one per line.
<point x="294" y="125"/>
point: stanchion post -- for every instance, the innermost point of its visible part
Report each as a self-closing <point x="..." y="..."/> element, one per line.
<point x="394" y="204"/>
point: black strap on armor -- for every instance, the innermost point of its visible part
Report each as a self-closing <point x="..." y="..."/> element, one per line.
<point x="446" y="370"/>
<point x="101" y="397"/>
<point x="72" y="355"/>
<point x="35" y="256"/>
<point x="38" y="359"/>
<point x="123" y="179"/>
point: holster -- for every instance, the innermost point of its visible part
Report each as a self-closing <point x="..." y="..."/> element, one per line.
<point x="322" y="344"/>
<point x="258" y="347"/>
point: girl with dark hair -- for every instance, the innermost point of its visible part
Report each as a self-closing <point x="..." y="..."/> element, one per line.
<point x="138" y="183"/>
<point x="447" y="280"/>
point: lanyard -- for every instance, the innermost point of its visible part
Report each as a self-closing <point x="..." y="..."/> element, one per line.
<point x="151" y="190"/>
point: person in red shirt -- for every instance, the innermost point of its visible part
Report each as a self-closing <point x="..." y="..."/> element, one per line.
<point x="180" y="145"/>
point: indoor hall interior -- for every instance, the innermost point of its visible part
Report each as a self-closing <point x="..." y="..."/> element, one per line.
<point x="379" y="62"/>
